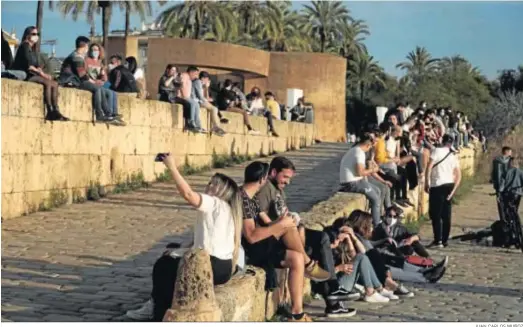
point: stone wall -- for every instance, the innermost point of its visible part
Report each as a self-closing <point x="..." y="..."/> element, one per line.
<point x="42" y="159"/>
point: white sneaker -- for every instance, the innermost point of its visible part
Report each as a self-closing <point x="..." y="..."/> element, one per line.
<point x="359" y="288"/>
<point x="376" y="298"/>
<point x="146" y="312"/>
<point x="389" y="294"/>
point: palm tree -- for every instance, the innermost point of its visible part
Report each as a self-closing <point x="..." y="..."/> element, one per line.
<point x="251" y="14"/>
<point x="419" y="63"/>
<point x="190" y="18"/>
<point x="40" y="18"/>
<point x="364" y="71"/>
<point x="354" y="34"/>
<point x="142" y="8"/>
<point x="457" y="64"/>
<point x="323" y="19"/>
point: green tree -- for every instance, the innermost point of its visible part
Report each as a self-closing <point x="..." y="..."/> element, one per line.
<point x="40" y="18"/>
<point x="324" y="20"/>
<point x="419" y="63"/>
<point x="353" y="36"/>
<point x="364" y="71"/>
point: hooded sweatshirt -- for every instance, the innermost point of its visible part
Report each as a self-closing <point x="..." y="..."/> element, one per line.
<point x="513" y="181"/>
<point x="499" y="170"/>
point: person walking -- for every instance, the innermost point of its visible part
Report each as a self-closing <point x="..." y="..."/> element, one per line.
<point x="443" y="177"/>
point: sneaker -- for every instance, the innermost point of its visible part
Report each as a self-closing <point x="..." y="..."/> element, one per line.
<point x="400" y="203"/>
<point x="435" y="244"/>
<point x="434" y="275"/>
<point x="402" y="291"/>
<point x="254" y="132"/>
<point x="284" y="309"/>
<point x="146" y="312"/>
<point x="340" y="294"/>
<point x="359" y="288"/>
<point x="224" y="121"/>
<point x="304" y="318"/>
<point x="389" y="294"/>
<point x="275" y="134"/>
<point x="407" y="202"/>
<point x="445" y="244"/>
<point x="354" y="296"/>
<point x="375" y="298"/>
<point x="338" y="311"/>
<point x="315" y="273"/>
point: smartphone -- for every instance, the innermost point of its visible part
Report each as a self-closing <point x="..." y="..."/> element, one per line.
<point x="160" y="156"/>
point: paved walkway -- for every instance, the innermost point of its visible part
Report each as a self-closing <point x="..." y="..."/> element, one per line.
<point x="93" y="261"/>
<point x="482" y="283"/>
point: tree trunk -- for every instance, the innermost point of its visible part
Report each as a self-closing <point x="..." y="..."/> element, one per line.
<point x="106" y="19"/>
<point x="362" y="91"/>
<point x="246" y="23"/>
<point x="196" y="28"/>
<point x="127" y="20"/>
<point x="39" y="18"/>
<point x="92" y="31"/>
<point x="322" y="41"/>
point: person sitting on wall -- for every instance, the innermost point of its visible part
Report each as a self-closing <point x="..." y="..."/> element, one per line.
<point x="217" y="230"/>
<point x="7" y="62"/>
<point x="228" y="100"/>
<point x="139" y="76"/>
<point x="273" y="112"/>
<point x="26" y="60"/>
<point x="198" y="96"/>
<point x="121" y="78"/>
<point x="194" y="123"/>
<point x="74" y="73"/>
<point x="169" y="91"/>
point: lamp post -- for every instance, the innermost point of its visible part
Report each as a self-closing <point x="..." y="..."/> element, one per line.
<point x="105" y="5"/>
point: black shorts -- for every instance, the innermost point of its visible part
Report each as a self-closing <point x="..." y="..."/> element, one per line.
<point x="267" y="252"/>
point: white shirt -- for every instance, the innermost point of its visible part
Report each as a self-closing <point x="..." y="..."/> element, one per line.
<point x="349" y="165"/>
<point x="214" y="228"/>
<point x="138" y="73"/>
<point x="444" y="172"/>
<point x="391" y="145"/>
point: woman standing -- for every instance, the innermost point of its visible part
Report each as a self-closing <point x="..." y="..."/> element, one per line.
<point x="443" y="177"/>
<point x="27" y="60"/>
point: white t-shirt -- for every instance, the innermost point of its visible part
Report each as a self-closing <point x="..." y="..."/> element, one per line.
<point x="348" y="166"/>
<point x="138" y="73"/>
<point x="391" y="145"/>
<point x="444" y="172"/>
<point x="214" y="228"/>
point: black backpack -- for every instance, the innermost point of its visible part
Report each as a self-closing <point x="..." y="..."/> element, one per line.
<point x="500" y="234"/>
<point x="127" y="81"/>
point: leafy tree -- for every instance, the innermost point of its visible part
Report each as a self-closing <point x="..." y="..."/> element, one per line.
<point x="419" y="63"/>
<point x="364" y="71"/>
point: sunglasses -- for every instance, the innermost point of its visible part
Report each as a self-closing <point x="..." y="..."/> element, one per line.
<point x="35" y="34"/>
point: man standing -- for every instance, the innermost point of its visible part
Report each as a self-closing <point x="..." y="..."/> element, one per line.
<point x="353" y="176"/>
<point x="499" y="171"/>
<point x="443" y="177"/>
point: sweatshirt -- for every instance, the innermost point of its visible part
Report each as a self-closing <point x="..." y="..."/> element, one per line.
<point x="499" y="169"/>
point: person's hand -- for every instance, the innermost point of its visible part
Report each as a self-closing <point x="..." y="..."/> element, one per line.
<point x="347" y="268"/>
<point x="396" y="160"/>
<point x="346" y="229"/>
<point x="389" y="184"/>
<point x="427" y="187"/>
<point x="451" y="195"/>
<point x="392" y="242"/>
<point x="168" y="161"/>
<point x="408" y="241"/>
<point x="286" y="221"/>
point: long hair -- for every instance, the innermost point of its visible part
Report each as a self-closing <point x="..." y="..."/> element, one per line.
<point x="101" y="56"/>
<point x="27" y="33"/>
<point x="361" y="222"/>
<point x="132" y="64"/>
<point x="228" y="191"/>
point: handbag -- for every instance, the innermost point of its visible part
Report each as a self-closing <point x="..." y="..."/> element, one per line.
<point x="419" y="261"/>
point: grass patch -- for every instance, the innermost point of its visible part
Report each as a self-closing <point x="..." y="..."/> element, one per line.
<point x="414" y="225"/>
<point x="165" y="176"/>
<point x="467" y="183"/>
<point x="57" y="198"/>
<point x="78" y="197"/>
<point x="93" y="192"/>
<point x="133" y="182"/>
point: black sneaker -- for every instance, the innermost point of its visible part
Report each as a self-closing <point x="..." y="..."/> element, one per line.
<point x="338" y="311"/>
<point x="354" y="296"/>
<point x="407" y="202"/>
<point x="284" y="309"/>
<point x="224" y="121"/>
<point x="402" y="291"/>
<point x="340" y="294"/>
<point x="436" y="275"/>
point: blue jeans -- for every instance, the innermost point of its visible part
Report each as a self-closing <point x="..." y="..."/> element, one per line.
<point x="194" y="115"/>
<point x="362" y="272"/>
<point x="18" y="74"/>
<point x="371" y="192"/>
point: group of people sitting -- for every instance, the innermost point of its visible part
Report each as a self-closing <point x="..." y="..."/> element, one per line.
<point x="192" y="90"/>
<point x="251" y="223"/>
<point x="84" y="69"/>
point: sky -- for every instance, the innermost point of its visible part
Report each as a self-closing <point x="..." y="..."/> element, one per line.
<point x="486" y="33"/>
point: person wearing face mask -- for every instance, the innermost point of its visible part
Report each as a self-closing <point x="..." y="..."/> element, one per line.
<point x="121" y="78"/>
<point x="400" y="240"/>
<point x="74" y="73"/>
<point x="97" y="72"/>
<point x="27" y="60"/>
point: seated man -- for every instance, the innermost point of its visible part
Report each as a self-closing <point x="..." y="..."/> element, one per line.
<point x="353" y="175"/>
<point x="273" y="112"/>
<point x="198" y="96"/>
<point x="74" y="72"/>
<point x="227" y="100"/>
<point x="404" y="242"/>
<point x="120" y="77"/>
<point x="271" y="198"/>
<point x="194" y="123"/>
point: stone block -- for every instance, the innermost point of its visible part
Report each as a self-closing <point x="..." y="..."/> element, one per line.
<point x="13" y="169"/>
<point x="161" y="140"/>
<point x="194" y="298"/>
<point x="6" y="99"/>
<point x="140" y="113"/>
<point x="78" y="171"/>
<point x="13" y="204"/>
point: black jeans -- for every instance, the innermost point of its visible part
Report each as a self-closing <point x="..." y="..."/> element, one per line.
<point x="186" y="107"/>
<point x="268" y="115"/>
<point x="440" y="211"/>
<point x="378" y="263"/>
<point x="401" y="185"/>
<point x="415" y="247"/>
<point x="164" y="277"/>
<point x="319" y="246"/>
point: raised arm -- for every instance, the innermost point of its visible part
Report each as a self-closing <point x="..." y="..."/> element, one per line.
<point x="193" y="198"/>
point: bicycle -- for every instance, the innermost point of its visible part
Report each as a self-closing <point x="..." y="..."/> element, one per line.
<point x="510" y="216"/>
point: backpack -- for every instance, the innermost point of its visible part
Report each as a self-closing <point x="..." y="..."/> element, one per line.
<point x="500" y="234"/>
<point x="127" y="81"/>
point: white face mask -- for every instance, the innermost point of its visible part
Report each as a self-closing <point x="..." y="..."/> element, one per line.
<point x="95" y="54"/>
<point x="34" y="38"/>
<point x="110" y="67"/>
<point x="393" y="221"/>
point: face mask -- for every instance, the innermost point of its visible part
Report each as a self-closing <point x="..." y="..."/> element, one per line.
<point x="110" y="67"/>
<point x="95" y="54"/>
<point x="424" y="106"/>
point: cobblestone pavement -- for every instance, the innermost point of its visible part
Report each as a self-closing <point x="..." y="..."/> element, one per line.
<point x="481" y="284"/>
<point x="93" y="261"/>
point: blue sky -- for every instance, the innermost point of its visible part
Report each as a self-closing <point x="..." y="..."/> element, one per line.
<point x="486" y="33"/>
